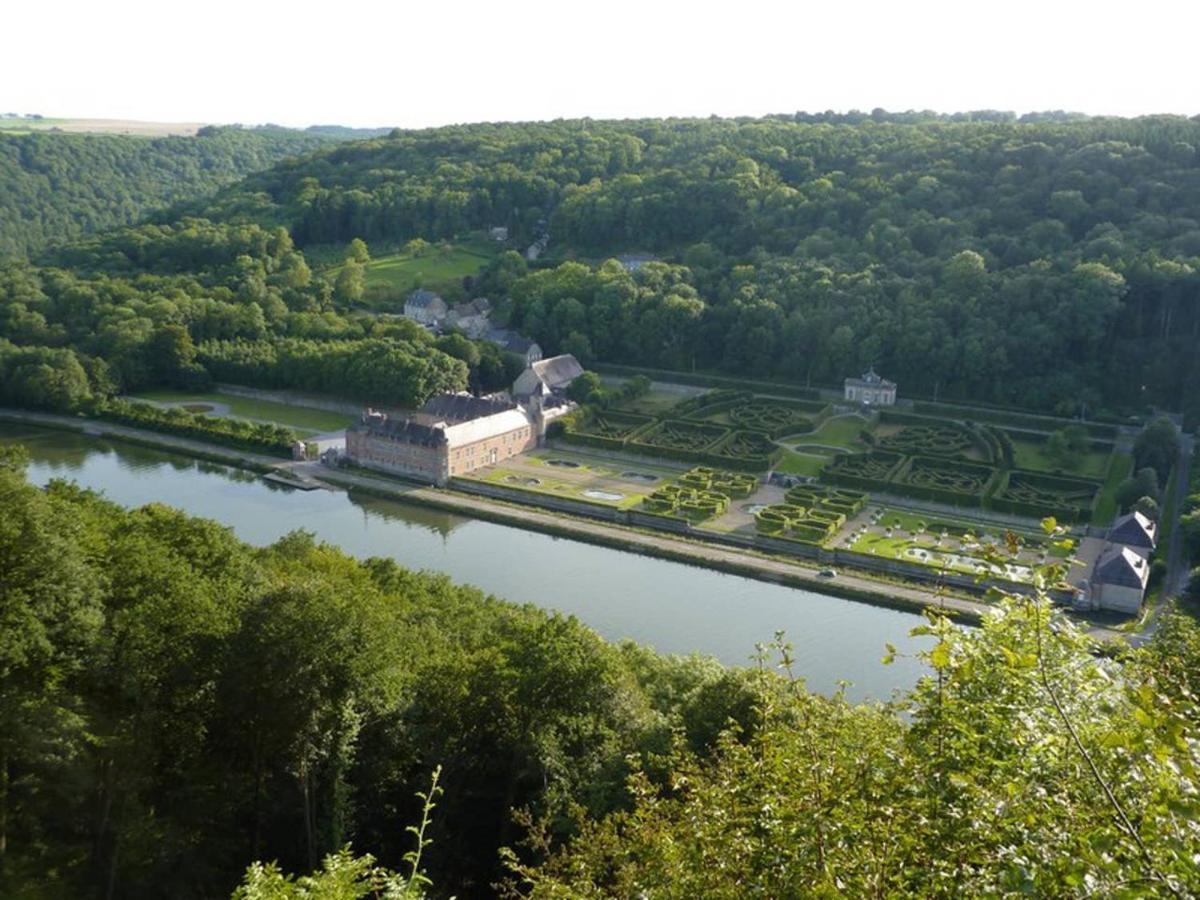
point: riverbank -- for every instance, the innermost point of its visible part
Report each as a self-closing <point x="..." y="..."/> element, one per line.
<point x="746" y="563"/>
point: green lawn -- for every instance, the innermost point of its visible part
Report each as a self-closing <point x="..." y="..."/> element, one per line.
<point x="1032" y="455"/>
<point x="393" y="276"/>
<point x="801" y="463"/>
<point x="304" y="419"/>
<point x="840" y="431"/>
<point x="1106" y="505"/>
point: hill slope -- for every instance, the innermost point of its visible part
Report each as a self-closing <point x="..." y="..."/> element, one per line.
<point x="56" y="187"/>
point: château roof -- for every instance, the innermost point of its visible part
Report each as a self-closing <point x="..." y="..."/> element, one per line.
<point x="464" y="407"/>
<point x="870" y="379"/>
<point x="406" y="431"/>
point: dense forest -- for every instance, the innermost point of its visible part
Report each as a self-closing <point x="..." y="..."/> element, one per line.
<point x="1047" y="263"/>
<point x="175" y="705"/>
<point x="56" y="187"/>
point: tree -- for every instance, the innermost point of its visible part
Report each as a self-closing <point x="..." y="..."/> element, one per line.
<point x="587" y="388"/>
<point x="1148" y="507"/>
<point x="350" y="283"/>
<point x="415" y="248"/>
<point x="1067" y="444"/>
<point x="1157" y="447"/>
<point x="358" y="252"/>
<point x="1143" y="484"/>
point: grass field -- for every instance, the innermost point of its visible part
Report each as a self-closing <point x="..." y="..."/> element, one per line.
<point x="840" y="431"/>
<point x="1106" y="506"/>
<point x="393" y="276"/>
<point x="1032" y="455"/>
<point x="305" y="420"/>
<point x="801" y="463"/>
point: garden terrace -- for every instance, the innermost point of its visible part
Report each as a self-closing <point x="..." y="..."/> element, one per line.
<point x="797" y="523"/>
<point x="865" y="470"/>
<point x="686" y="502"/>
<point x="1034" y="494"/>
<point x="775" y="417"/>
<point x="836" y="500"/>
<point x="731" y="484"/>
<point x="944" y="480"/>
<point x="927" y="440"/>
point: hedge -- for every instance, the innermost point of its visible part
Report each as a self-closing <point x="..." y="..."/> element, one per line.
<point x="264" y="438"/>
<point x="701" y="379"/>
<point x="1012" y="418"/>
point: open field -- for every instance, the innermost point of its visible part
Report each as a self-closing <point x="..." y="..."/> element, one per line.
<point x="305" y="420"/>
<point x="794" y="463"/>
<point x="579" y="476"/>
<point x="102" y="126"/>
<point x="1106" y="506"/>
<point x="1032" y="455"/>
<point x="393" y="276"/>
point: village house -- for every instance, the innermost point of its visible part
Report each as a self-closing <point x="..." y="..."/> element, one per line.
<point x="1136" y="531"/>
<point x="425" y="307"/>
<point x="870" y="390"/>
<point x="512" y="342"/>
<point x="471" y="318"/>
<point x="436" y="452"/>
<point x="1119" y="580"/>
<point x="547" y="378"/>
<point x="498" y="233"/>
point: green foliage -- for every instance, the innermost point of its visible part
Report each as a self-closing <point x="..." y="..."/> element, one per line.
<point x="1157" y="448"/>
<point x="263" y="437"/>
<point x="1027" y="766"/>
<point x="55" y="187"/>
<point x="931" y="440"/>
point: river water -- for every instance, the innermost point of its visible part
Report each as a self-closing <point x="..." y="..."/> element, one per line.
<point x="670" y="606"/>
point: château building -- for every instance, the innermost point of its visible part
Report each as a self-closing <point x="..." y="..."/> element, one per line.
<point x="870" y="390"/>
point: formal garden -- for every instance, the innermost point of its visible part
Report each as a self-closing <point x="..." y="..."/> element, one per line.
<point x="812" y="514"/>
<point x="986" y="464"/>
<point x="700" y="494"/>
<point x="945" y="544"/>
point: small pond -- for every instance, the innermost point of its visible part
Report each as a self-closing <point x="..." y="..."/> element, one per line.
<point x="563" y="463"/>
<point x="639" y="476"/>
<point x="603" y="495"/>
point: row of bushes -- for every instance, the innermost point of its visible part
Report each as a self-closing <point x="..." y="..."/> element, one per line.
<point x="963" y="483"/>
<point x="731" y="484"/>
<point x="691" y="503"/>
<point x="798" y="523"/>
<point x="836" y="500"/>
<point x="1011" y="418"/>
<point x="260" y="437"/>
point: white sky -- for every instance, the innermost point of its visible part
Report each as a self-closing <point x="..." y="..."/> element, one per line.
<point x="414" y="63"/>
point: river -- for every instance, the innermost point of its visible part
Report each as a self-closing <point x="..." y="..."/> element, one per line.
<point x="670" y="606"/>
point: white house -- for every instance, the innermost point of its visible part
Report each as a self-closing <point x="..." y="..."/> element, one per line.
<point x="1119" y="580"/>
<point x="1135" y="531"/>
<point x="871" y="390"/>
<point x="425" y="307"/>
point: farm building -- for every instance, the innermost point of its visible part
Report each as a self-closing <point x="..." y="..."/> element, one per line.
<point x="547" y="377"/>
<point x="436" y="452"/>
<point x="871" y="390"/>
<point x="471" y="318"/>
<point x="425" y="307"/>
<point x="1135" y="531"/>
<point x="1119" y="580"/>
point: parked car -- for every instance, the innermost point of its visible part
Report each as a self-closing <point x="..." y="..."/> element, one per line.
<point x="828" y="573"/>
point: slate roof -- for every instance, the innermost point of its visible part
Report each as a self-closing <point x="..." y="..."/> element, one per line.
<point x="870" y="379"/>
<point x="465" y="407"/>
<point x="1121" y="566"/>
<point x="421" y="298"/>
<point x="403" y="430"/>
<point x="1134" y="530"/>
<point x="511" y="341"/>
<point x="557" y="372"/>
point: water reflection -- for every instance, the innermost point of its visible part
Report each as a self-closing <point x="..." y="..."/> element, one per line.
<point x="673" y="607"/>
